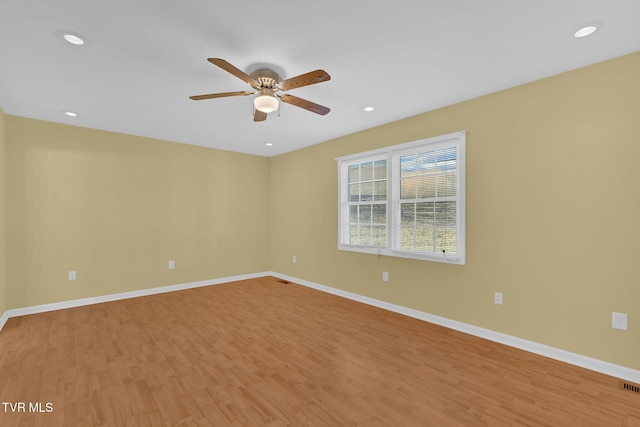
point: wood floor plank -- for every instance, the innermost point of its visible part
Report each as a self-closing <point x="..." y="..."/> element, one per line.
<point x="263" y="353"/>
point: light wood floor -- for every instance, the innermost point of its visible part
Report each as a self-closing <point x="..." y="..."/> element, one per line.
<point x="260" y="352"/>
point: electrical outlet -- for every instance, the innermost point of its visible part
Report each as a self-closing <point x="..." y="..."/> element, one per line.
<point x="385" y="276"/>
<point x="294" y="260"/>
<point x="497" y="298"/>
<point x="72" y="275"/>
<point x="172" y="265"/>
<point x="619" y="321"/>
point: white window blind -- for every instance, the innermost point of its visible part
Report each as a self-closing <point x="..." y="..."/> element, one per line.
<point x="428" y="200"/>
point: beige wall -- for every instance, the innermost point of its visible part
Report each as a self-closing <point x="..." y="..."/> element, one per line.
<point x="117" y="208"/>
<point x="552" y="214"/>
<point x="3" y="276"/>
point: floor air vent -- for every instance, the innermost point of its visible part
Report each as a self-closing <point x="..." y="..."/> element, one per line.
<point x="630" y="387"/>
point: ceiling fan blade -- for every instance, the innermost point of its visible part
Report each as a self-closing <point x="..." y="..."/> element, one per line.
<point x="310" y="78"/>
<point x="233" y="70"/>
<point x="307" y="105"/>
<point x="219" y="95"/>
<point x="259" y="116"/>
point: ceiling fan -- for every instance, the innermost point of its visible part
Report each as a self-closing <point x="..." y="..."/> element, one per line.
<point x="267" y="83"/>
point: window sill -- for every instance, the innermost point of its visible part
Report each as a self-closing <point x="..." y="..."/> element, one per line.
<point x="447" y="259"/>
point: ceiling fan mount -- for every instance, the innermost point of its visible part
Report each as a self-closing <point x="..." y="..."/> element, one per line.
<point x="267" y="83"/>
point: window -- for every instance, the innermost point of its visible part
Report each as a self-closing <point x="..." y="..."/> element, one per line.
<point x="367" y="202"/>
<point x="407" y="200"/>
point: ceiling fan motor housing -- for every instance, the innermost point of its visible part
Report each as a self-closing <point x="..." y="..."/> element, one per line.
<point x="267" y="78"/>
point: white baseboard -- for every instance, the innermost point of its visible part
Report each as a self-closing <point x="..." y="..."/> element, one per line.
<point x="3" y="319"/>
<point x="522" y="344"/>
<point x="125" y="295"/>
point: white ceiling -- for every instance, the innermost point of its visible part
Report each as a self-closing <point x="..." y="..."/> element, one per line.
<point x="144" y="58"/>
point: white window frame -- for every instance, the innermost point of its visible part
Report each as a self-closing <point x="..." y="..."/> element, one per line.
<point x="392" y="155"/>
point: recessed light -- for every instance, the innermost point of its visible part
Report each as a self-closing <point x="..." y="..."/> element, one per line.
<point x="367" y="109"/>
<point x="71" y="114"/>
<point x="585" y="31"/>
<point x="588" y="29"/>
<point x="73" y="39"/>
<point x="269" y="144"/>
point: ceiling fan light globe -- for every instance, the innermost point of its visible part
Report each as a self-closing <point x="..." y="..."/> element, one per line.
<point x="266" y="103"/>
